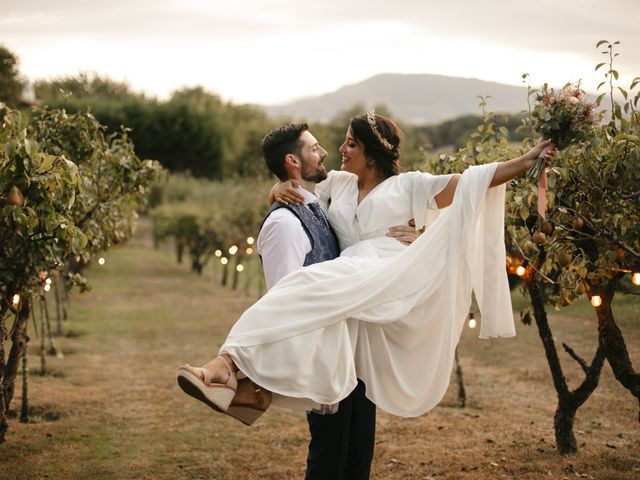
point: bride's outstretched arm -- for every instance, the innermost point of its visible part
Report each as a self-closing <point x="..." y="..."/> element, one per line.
<point x="504" y="172"/>
<point x="514" y="167"/>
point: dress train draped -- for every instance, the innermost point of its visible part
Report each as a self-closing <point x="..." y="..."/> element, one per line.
<point x="393" y="322"/>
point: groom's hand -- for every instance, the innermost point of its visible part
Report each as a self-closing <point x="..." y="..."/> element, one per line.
<point x="406" y="234"/>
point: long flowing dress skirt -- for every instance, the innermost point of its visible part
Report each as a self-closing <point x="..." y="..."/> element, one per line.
<point x="392" y="322"/>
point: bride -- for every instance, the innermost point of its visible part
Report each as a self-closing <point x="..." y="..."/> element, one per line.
<point x="388" y="314"/>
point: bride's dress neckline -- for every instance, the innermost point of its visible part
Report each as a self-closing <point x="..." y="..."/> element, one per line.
<point x="359" y="201"/>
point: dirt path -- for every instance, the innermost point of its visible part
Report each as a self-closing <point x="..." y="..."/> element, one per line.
<point x="111" y="408"/>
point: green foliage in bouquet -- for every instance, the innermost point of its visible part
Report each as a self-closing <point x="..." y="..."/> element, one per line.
<point x="563" y="116"/>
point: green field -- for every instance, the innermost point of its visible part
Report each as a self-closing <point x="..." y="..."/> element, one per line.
<point x="111" y="409"/>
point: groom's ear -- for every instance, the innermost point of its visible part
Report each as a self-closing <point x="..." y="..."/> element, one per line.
<point x="291" y="161"/>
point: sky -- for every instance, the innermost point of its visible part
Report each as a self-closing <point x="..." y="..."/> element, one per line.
<point x="273" y="51"/>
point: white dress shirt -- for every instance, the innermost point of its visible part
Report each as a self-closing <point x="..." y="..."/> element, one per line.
<point x="283" y="243"/>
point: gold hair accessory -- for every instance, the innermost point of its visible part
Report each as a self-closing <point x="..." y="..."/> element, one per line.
<point x="371" y="118"/>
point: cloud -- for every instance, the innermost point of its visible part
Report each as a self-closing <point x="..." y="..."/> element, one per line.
<point x="311" y="47"/>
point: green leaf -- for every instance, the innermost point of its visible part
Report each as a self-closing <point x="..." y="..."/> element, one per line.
<point x="551" y="181"/>
<point x="31" y="147"/>
<point x="47" y="163"/>
<point x="615" y="74"/>
<point x="32" y="222"/>
<point x="601" y="42"/>
<point x="600" y="65"/>
<point x="623" y="91"/>
<point x="10" y="148"/>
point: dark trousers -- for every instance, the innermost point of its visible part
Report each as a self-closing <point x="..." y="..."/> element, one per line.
<point x="341" y="446"/>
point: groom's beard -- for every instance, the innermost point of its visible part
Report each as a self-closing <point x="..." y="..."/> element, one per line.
<point x="315" y="175"/>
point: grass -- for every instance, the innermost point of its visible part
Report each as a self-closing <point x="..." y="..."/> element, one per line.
<point x="116" y="412"/>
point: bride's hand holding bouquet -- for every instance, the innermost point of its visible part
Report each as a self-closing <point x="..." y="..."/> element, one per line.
<point x="564" y="118"/>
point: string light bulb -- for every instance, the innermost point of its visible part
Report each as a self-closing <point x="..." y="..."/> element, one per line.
<point x="47" y="287"/>
<point x="596" y="301"/>
<point x="472" y="321"/>
<point x="635" y="278"/>
<point x="240" y="267"/>
<point x="224" y="260"/>
<point x="233" y="249"/>
<point x="218" y="253"/>
<point x="520" y="271"/>
<point x="101" y="261"/>
<point x="16" y="299"/>
<point x="249" y="251"/>
<point x="48" y="281"/>
<point x="250" y="240"/>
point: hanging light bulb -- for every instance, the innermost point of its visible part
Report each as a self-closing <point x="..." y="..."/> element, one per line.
<point x="47" y="287"/>
<point x="224" y="260"/>
<point x="16" y="299"/>
<point x="218" y="253"/>
<point x="596" y="301"/>
<point x="635" y="278"/>
<point x="250" y="240"/>
<point x="472" y="321"/>
<point x="249" y="251"/>
<point x="240" y="267"/>
<point x="233" y="249"/>
<point x="520" y="271"/>
<point x="48" y="281"/>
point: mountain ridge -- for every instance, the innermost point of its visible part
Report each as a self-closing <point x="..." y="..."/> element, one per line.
<point x="412" y="98"/>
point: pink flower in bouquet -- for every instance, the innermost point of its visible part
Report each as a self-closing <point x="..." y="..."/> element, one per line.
<point x="562" y="116"/>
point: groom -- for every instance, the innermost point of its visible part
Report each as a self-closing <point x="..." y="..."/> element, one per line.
<point x="296" y="235"/>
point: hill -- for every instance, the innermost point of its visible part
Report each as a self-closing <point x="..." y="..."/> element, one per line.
<point x="413" y="98"/>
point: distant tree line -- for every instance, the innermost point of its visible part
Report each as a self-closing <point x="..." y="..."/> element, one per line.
<point x="196" y="131"/>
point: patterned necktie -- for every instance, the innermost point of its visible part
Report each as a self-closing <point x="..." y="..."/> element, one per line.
<point x="317" y="211"/>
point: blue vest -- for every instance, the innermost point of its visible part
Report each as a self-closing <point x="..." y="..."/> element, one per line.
<point x="324" y="244"/>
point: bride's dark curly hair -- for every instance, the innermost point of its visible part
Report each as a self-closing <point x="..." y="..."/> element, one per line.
<point x="387" y="160"/>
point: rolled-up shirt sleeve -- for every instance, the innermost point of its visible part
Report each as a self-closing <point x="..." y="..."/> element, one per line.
<point x="282" y="244"/>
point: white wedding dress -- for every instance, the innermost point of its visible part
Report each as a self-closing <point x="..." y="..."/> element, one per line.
<point x="388" y="314"/>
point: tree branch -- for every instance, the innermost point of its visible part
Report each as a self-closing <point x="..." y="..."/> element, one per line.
<point x="576" y="357"/>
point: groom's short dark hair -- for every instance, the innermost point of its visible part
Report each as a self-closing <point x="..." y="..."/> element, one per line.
<point x="280" y="142"/>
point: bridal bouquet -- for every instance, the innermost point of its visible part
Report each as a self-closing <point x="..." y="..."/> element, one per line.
<point x="561" y="116"/>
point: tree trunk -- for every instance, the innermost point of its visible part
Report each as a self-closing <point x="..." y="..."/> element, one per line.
<point x="19" y="344"/>
<point x="196" y="266"/>
<point x="58" y="318"/>
<point x="58" y="299"/>
<point x="540" y="316"/>
<point x="225" y="274"/>
<point x="236" y="273"/>
<point x="43" y="347"/>
<point x="563" y="424"/>
<point x="64" y="294"/>
<point x="24" y="409"/>
<point x="462" y="394"/>
<point x="179" y="251"/>
<point x="615" y="346"/>
<point x="3" y="334"/>
<point x="568" y="401"/>
<point x="53" y="349"/>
